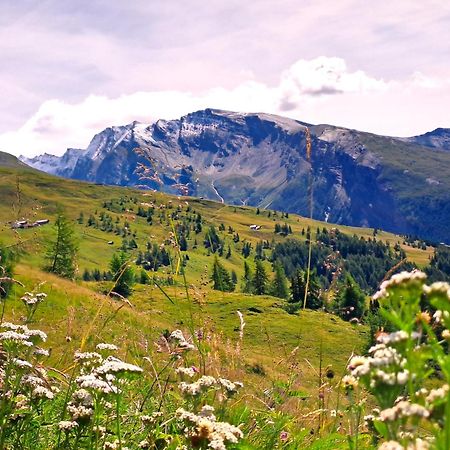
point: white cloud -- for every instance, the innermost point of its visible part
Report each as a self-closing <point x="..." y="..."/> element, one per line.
<point x="321" y="90"/>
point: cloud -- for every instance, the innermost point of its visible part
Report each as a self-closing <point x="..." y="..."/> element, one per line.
<point x="321" y="90"/>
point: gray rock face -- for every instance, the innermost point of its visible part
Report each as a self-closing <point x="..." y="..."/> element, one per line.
<point x="359" y="179"/>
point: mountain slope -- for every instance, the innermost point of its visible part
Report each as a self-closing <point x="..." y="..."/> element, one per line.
<point x="359" y="178"/>
<point x="10" y="161"/>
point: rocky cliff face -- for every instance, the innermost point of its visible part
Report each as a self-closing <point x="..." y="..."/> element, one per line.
<point x="260" y="160"/>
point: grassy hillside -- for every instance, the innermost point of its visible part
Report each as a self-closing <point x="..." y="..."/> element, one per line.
<point x="291" y="364"/>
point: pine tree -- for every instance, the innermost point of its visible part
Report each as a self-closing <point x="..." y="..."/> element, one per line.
<point x="350" y="300"/>
<point x="62" y="251"/>
<point x="260" y="279"/>
<point x="247" y="279"/>
<point x="221" y="278"/>
<point x="122" y="274"/>
<point x="298" y="286"/>
<point x="279" y="286"/>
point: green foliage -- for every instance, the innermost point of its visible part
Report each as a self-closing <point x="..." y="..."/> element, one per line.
<point x="221" y="278"/>
<point x="6" y="269"/>
<point x="350" y="300"/>
<point x="260" y="279"/>
<point x="122" y="274"/>
<point x="314" y="298"/>
<point x="279" y="286"/>
<point x="62" y="250"/>
<point x="212" y="240"/>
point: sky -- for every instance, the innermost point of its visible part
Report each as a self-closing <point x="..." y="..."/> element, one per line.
<point x="70" y="68"/>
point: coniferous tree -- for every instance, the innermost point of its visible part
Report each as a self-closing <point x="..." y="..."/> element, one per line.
<point x="62" y="250"/>
<point x="350" y="300"/>
<point x="122" y="274"/>
<point x="247" y="279"/>
<point x="260" y="279"/>
<point x="221" y="278"/>
<point x="279" y="287"/>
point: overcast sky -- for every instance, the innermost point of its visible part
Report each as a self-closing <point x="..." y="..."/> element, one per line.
<point x="70" y="68"/>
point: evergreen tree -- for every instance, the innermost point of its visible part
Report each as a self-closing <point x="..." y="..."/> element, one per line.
<point x="143" y="277"/>
<point x="221" y="278"/>
<point x="62" y="250"/>
<point x="260" y="279"/>
<point x="247" y="279"/>
<point x="350" y="300"/>
<point x="122" y="274"/>
<point x="298" y="286"/>
<point x="279" y="287"/>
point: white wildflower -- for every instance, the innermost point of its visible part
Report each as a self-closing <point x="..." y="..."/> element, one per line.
<point x="188" y="371"/>
<point x="67" y="425"/>
<point x="90" y="381"/>
<point x="112" y="365"/>
<point x="397" y="280"/>
<point x="438" y="394"/>
<point x="104" y="346"/>
<point x="42" y="392"/>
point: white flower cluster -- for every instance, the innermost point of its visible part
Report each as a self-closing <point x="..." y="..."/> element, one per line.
<point x="206" y="382"/>
<point x="217" y="434"/>
<point x="396" y="337"/>
<point x="81" y="406"/>
<point x="103" y="375"/>
<point x="440" y="288"/>
<point x="418" y="444"/>
<point x="32" y="300"/>
<point x="21" y="334"/>
<point x="108" y="347"/>
<point x="382" y="357"/>
<point x="18" y="344"/>
<point x="186" y="371"/>
<point x="178" y="337"/>
<point x="402" y="410"/>
<point x="402" y="278"/>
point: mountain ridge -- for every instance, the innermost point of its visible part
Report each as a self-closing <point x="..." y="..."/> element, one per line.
<point x="259" y="159"/>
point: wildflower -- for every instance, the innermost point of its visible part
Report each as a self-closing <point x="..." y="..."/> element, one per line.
<point x="88" y="357"/>
<point x="391" y="445"/>
<point x="152" y="419"/>
<point x="41" y="352"/>
<point x="284" y="436"/>
<point x="18" y="338"/>
<point x="396" y="337"/>
<point x="403" y="409"/>
<point x="67" y="425"/>
<point x="437" y="394"/>
<point x="229" y="386"/>
<point x="188" y="371"/>
<point x="90" y="381"/>
<point x="402" y="278"/>
<point x="42" y="392"/>
<point x="349" y="382"/>
<point x="112" y="365"/>
<point x="202" y="384"/>
<point x="104" y="346"/>
<point x="22" y="364"/>
<point x="446" y="334"/>
<point x="438" y="288"/>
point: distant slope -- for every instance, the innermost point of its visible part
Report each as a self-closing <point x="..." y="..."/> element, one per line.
<point x="438" y="138"/>
<point x="360" y="179"/>
<point x="7" y="160"/>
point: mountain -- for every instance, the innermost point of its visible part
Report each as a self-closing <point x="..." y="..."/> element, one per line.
<point x="360" y="179"/>
<point x="438" y="138"/>
<point x="10" y="161"/>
